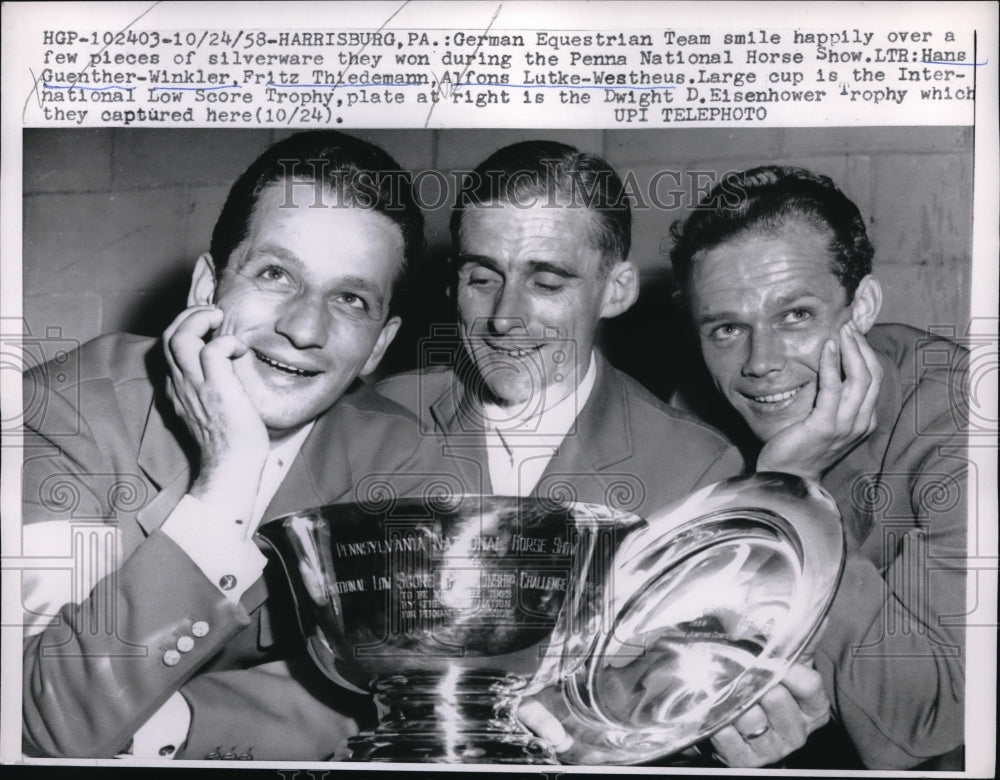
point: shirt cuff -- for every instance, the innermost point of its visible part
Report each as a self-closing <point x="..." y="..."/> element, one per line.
<point x="219" y="548"/>
<point x="165" y="732"/>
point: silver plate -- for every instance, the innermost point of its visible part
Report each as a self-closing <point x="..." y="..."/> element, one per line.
<point x="712" y="602"/>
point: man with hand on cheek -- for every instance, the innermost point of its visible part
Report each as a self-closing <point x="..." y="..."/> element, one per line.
<point x="246" y="410"/>
<point x="775" y="269"/>
<point x="298" y="313"/>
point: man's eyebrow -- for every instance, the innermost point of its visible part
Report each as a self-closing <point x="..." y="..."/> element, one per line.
<point x="271" y="250"/>
<point x="534" y="266"/>
<point x="543" y="266"/>
<point x="797" y="295"/>
<point x="362" y="285"/>
<point x="352" y="282"/>
<point x="711" y="318"/>
<point x="464" y="258"/>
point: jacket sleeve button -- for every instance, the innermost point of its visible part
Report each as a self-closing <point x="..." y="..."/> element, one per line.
<point x="171" y="658"/>
<point x="185" y="644"/>
<point x="199" y="628"/>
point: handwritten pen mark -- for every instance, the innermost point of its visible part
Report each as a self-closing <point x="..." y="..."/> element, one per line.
<point x="195" y="89"/>
<point x="467" y="64"/>
<point x="562" y="86"/>
<point x="129" y="87"/>
<point x="945" y="62"/>
<point x="34" y="91"/>
<point x="34" y="86"/>
<point x="46" y="85"/>
<point x="361" y="51"/>
<point x="334" y="86"/>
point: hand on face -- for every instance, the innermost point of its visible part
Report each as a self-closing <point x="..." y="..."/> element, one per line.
<point x="778" y="724"/>
<point x="209" y="397"/>
<point x="274" y="339"/>
<point x="843" y="415"/>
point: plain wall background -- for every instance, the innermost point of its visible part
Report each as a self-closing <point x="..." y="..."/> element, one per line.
<point x="114" y="218"/>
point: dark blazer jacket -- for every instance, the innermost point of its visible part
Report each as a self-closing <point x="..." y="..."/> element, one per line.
<point x="103" y="445"/>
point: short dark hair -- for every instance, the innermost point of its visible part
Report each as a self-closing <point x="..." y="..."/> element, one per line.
<point x="524" y="172"/>
<point x="360" y="173"/>
<point x="763" y="200"/>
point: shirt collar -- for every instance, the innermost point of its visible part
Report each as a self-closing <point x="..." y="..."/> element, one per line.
<point x="284" y="450"/>
<point x="276" y="467"/>
<point x="554" y="421"/>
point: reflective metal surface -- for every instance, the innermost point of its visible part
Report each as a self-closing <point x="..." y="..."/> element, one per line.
<point x="642" y="637"/>
<point x="713" y="600"/>
<point x="450" y="610"/>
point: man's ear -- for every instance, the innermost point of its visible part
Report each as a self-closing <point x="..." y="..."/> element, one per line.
<point x="203" y="282"/>
<point x="621" y="289"/>
<point x="381" y="345"/>
<point x="867" y="304"/>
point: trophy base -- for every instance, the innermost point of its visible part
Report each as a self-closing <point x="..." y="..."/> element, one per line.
<point x="452" y="717"/>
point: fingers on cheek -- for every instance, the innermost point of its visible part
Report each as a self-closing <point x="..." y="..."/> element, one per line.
<point x="175" y="399"/>
<point x="828" y="369"/>
<point x="179" y="320"/>
<point x="230" y="346"/>
<point x="226" y="326"/>
<point x="186" y="353"/>
<point x="215" y="359"/>
<point x="198" y="323"/>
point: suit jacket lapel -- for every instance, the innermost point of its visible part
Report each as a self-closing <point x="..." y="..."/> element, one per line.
<point x="864" y="464"/>
<point x="320" y="473"/>
<point x="600" y="437"/>
<point x="165" y="463"/>
<point x="458" y="417"/>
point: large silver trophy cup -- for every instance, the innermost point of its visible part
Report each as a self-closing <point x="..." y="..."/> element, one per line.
<point x="642" y="636"/>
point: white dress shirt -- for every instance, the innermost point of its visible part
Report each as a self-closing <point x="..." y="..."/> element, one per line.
<point x="520" y="448"/>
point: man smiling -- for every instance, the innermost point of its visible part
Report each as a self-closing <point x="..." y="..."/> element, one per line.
<point x="542" y="233"/>
<point x="244" y="410"/>
<point x="776" y="268"/>
<point x="529" y="405"/>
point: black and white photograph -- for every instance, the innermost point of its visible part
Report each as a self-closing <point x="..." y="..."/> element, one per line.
<point x="626" y="445"/>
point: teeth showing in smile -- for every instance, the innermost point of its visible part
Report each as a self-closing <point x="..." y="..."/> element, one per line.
<point x="283" y="366"/>
<point x="513" y="352"/>
<point x="775" y="397"/>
